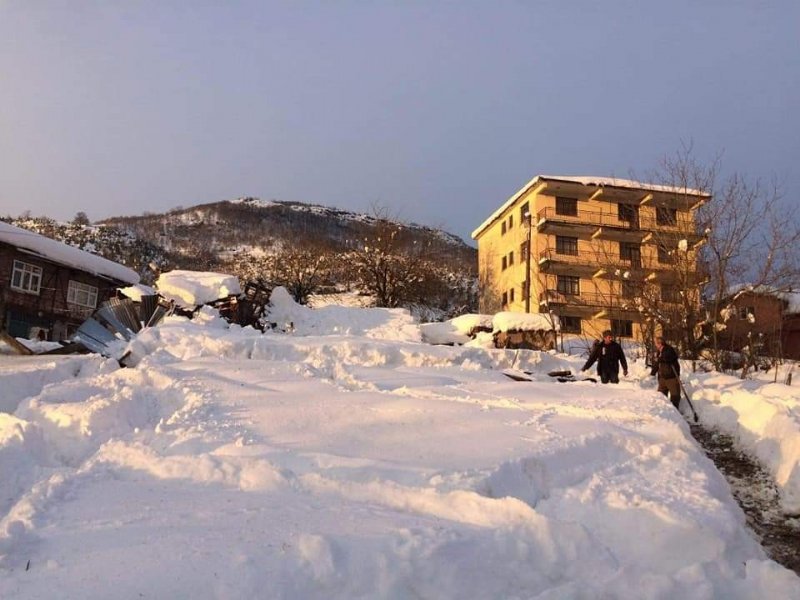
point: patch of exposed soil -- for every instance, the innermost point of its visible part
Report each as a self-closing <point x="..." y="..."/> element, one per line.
<point x="755" y="490"/>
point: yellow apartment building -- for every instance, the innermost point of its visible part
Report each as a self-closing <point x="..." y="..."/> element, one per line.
<point x="593" y="251"/>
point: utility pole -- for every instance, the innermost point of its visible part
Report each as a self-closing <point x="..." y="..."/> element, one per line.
<point x="528" y="262"/>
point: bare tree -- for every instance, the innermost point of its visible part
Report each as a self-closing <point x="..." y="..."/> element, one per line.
<point x="301" y="269"/>
<point x="391" y="263"/>
<point x="81" y="218"/>
<point x="748" y="239"/>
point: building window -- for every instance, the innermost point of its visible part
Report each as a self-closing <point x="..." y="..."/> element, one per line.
<point x="510" y="258"/>
<point x="511" y="294"/>
<point x="503" y="228"/>
<point x="524" y="212"/>
<point x="570" y="324"/>
<point x="82" y="294"/>
<point x="569" y="285"/>
<point x="505" y="299"/>
<point x="524" y="290"/>
<point x="567" y="206"/>
<point x="630" y="252"/>
<point x="669" y="293"/>
<point x="665" y="256"/>
<point x="566" y="245"/>
<point x="26" y="278"/>
<point x="504" y="263"/>
<point x="622" y="328"/>
<point x="747" y="313"/>
<point x="666" y="216"/>
<point x="631" y="289"/>
<point x="510" y="221"/>
<point x="628" y="213"/>
<point x="523" y="250"/>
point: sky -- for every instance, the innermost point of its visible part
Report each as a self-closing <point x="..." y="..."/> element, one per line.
<point x="434" y="111"/>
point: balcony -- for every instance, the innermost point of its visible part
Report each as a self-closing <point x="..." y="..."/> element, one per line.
<point x="583" y="264"/>
<point x="608" y="225"/>
<point x="592" y="304"/>
<point x="599" y="264"/>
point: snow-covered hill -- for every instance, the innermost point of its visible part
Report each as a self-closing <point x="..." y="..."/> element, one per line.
<point x="249" y="223"/>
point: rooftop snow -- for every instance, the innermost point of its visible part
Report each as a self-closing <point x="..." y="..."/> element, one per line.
<point x="194" y="288"/>
<point x="64" y="254"/>
<point x="588" y="181"/>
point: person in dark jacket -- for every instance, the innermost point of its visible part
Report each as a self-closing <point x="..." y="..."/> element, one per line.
<point x="668" y="370"/>
<point x="608" y="354"/>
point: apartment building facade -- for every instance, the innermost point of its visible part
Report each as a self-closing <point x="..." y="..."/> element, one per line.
<point x="599" y="253"/>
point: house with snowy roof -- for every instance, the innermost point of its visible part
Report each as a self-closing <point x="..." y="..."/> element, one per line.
<point x="48" y="288"/>
<point x="592" y="251"/>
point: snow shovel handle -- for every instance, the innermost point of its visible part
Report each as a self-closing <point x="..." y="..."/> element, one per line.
<point x="685" y="394"/>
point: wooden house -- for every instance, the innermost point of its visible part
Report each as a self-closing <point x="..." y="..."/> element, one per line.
<point x="790" y="333"/>
<point x="753" y="318"/>
<point x="48" y="288"/>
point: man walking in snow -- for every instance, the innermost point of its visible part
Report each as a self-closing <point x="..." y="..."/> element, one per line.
<point x="668" y="369"/>
<point x="608" y="355"/>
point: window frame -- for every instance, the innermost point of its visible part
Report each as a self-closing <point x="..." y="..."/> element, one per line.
<point x="566" y="206"/>
<point x="622" y="328"/>
<point x="666" y="216"/>
<point x="76" y="288"/>
<point x="631" y="252"/>
<point x="565" y="245"/>
<point x="664" y="255"/>
<point x="23" y="277"/>
<point x="627" y="213"/>
<point x="631" y="289"/>
<point x="565" y="321"/>
<point x="745" y="312"/>
<point x="571" y="285"/>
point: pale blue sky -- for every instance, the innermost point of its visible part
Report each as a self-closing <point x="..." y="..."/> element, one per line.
<point x="438" y="111"/>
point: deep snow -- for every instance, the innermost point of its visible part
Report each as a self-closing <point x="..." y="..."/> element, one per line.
<point x="348" y="459"/>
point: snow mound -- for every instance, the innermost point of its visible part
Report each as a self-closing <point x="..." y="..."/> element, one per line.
<point x="377" y="323"/>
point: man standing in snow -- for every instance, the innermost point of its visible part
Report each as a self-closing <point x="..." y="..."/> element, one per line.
<point x="668" y="369"/>
<point x="608" y="355"/>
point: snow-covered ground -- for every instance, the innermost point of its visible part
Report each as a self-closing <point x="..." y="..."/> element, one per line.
<point x="348" y="459"/>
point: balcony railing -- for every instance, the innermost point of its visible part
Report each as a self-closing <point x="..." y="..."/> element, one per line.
<point x="588" y="299"/>
<point x="602" y="260"/>
<point x="610" y="219"/>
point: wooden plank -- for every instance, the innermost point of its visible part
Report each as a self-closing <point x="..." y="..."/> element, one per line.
<point x="15" y="345"/>
<point x="516" y="375"/>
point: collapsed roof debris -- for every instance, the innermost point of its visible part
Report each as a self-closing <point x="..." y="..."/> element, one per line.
<point x="117" y="322"/>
